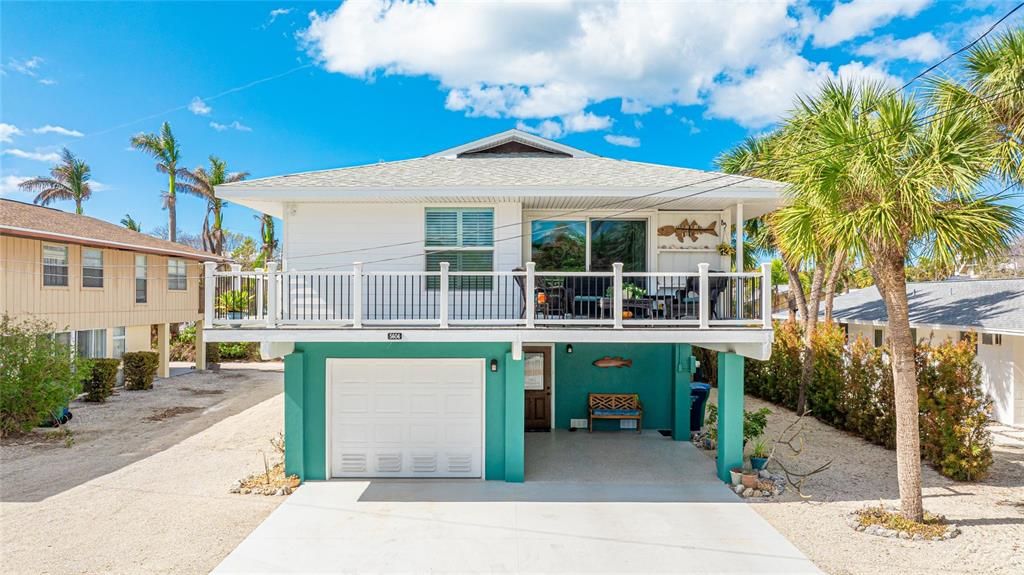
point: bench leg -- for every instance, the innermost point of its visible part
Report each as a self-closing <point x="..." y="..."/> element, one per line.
<point x="590" y="424"/>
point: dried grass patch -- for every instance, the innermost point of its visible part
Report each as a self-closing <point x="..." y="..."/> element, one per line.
<point x="934" y="526"/>
<point x="169" y="412"/>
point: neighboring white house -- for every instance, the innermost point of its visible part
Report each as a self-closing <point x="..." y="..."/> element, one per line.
<point x="433" y="309"/>
<point x="947" y="309"/>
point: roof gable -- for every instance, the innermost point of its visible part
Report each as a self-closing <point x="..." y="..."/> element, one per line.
<point x="513" y="142"/>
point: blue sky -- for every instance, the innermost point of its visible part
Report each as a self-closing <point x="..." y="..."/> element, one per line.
<point x="285" y="87"/>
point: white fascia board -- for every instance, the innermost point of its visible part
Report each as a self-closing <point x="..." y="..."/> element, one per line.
<point x="384" y="193"/>
<point x="933" y="326"/>
<point x="513" y="134"/>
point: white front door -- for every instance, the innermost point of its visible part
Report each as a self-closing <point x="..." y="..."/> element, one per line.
<point x="405" y="417"/>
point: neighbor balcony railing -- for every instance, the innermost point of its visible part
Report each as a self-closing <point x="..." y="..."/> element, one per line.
<point x="523" y="298"/>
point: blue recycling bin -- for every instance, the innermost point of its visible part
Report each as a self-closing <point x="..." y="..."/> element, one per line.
<point x="698" y="399"/>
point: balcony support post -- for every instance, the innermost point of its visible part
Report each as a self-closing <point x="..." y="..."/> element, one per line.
<point x="705" y="311"/>
<point x="617" y="295"/>
<point x="236" y="277"/>
<point x="271" y="294"/>
<point x="530" y="293"/>
<point x="357" y="294"/>
<point x="443" y="294"/>
<point x="767" y="305"/>
<point x="209" y="290"/>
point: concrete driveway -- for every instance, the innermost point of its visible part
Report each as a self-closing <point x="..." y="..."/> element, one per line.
<point x="689" y="525"/>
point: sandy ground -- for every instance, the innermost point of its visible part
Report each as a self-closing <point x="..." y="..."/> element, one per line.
<point x="165" y="508"/>
<point x="990" y="513"/>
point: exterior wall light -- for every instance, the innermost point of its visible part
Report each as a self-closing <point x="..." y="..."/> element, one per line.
<point x="568" y="348"/>
<point x="494" y="365"/>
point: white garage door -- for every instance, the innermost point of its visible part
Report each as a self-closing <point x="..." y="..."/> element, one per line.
<point x="405" y="417"/>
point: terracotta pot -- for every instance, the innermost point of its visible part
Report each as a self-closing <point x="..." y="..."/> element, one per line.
<point x="749" y="479"/>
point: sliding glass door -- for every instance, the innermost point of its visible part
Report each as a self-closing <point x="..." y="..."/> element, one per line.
<point x="618" y="241"/>
<point x="569" y="246"/>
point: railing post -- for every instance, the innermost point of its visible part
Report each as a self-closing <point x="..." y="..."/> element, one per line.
<point x="357" y="294"/>
<point x="271" y="294"/>
<point x="529" y="292"/>
<point x="443" y="294"/>
<point x="705" y="310"/>
<point x="210" y="285"/>
<point x="767" y="305"/>
<point x="259" y="292"/>
<point x="617" y="295"/>
<point x="236" y="278"/>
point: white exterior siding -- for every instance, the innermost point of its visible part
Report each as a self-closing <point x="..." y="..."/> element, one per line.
<point x="1018" y="379"/>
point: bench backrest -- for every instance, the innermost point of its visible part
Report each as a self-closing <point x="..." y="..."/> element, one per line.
<point x="614" y="401"/>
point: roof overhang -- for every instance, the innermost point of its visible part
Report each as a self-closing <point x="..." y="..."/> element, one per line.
<point x="85" y="241"/>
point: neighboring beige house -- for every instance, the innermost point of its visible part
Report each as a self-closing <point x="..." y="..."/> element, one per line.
<point x="994" y="309"/>
<point x="102" y="286"/>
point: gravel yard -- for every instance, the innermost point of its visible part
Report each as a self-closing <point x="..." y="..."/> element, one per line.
<point x="990" y="513"/>
<point x="144" y="488"/>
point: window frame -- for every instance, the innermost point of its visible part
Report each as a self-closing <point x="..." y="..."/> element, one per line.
<point x="174" y="280"/>
<point x="879" y="337"/>
<point x="457" y="250"/>
<point x="650" y="254"/>
<point x="94" y="340"/>
<point x="119" y="340"/>
<point x="66" y="265"/>
<point x="91" y="275"/>
<point x="144" y="279"/>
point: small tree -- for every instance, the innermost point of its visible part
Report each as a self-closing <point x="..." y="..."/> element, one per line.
<point x="38" y="375"/>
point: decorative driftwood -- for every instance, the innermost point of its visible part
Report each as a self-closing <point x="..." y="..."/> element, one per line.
<point x="794" y="440"/>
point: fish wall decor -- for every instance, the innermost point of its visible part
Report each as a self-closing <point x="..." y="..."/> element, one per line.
<point x="688" y="228"/>
<point x="608" y="361"/>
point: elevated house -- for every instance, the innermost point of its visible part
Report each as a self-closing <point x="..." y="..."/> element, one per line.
<point x="993" y="309"/>
<point x="433" y="310"/>
<point x="100" y="285"/>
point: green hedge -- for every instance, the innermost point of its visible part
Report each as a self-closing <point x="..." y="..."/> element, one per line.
<point x="852" y="389"/>
<point x="100" y="384"/>
<point x="140" y="369"/>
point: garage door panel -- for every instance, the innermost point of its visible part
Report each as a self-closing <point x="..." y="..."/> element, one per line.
<point x="406" y="418"/>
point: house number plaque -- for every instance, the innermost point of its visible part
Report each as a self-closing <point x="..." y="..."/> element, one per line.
<point x="394" y="335"/>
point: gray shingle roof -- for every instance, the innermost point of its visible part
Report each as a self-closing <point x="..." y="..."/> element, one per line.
<point x="984" y="304"/>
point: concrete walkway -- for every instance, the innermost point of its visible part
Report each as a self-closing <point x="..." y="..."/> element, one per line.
<point x="573" y="522"/>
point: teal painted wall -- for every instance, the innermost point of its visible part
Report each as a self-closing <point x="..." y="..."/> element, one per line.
<point x="651" y="375"/>
<point x="313" y="418"/>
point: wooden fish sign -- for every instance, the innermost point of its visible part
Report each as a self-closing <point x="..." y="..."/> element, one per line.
<point x="688" y="228"/>
<point x="608" y="361"/>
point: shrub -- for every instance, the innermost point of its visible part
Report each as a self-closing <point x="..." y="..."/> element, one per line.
<point x="38" y="375"/>
<point x="824" y="395"/>
<point x="140" y="369"/>
<point x="242" y="350"/>
<point x="213" y="353"/>
<point x="100" y="384"/>
<point x="754" y="422"/>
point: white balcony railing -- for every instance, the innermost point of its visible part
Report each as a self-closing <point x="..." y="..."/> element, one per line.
<point x="523" y="298"/>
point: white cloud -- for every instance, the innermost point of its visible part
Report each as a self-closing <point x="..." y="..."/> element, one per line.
<point x="98" y="186"/>
<point x="47" y="81"/>
<point x="689" y="124"/>
<point x="9" y="186"/>
<point x="583" y="122"/>
<point x="859" y="17"/>
<point x="51" y="157"/>
<point x="627" y="141"/>
<point x="276" y="13"/>
<point x="8" y="131"/>
<point x="924" y="48"/>
<point x="765" y="96"/>
<point x="48" y="129"/>
<point x="551" y="61"/>
<point x="198" y="107"/>
<point x="236" y="125"/>
<point x="28" y="67"/>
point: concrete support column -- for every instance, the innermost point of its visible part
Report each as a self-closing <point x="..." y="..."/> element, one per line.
<point x="682" y="376"/>
<point x="294" y="400"/>
<point x="163" y="347"/>
<point x="200" y="345"/>
<point x="515" y="423"/>
<point x="730" y="413"/>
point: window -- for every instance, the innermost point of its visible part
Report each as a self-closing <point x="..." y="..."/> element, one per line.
<point x="559" y="246"/>
<point x="91" y="343"/>
<point x="119" y="341"/>
<point x="176" y="278"/>
<point x="63" y="338"/>
<point x="992" y="339"/>
<point x="878" y="338"/>
<point x="92" y="268"/>
<point x="618" y="241"/>
<point x="140" y="279"/>
<point x="55" y="265"/>
<point x="463" y="237"/>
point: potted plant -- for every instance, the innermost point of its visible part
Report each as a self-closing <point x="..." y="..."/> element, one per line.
<point x="726" y="249"/>
<point x="749" y="478"/>
<point x="736" y="475"/>
<point x="759" y="456"/>
<point x="234" y="303"/>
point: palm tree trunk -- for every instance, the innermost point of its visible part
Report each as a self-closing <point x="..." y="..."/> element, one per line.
<point x="810" y="326"/>
<point x="172" y="218"/>
<point x="796" y="290"/>
<point x="78" y="205"/>
<point x="890" y="275"/>
<point x="838" y="262"/>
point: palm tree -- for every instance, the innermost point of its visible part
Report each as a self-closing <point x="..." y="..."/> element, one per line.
<point x="68" y="180"/>
<point x="886" y="183"/>
<point x="131" y="223"/>
<point x="165" y="149"/>
<point x="202" y="183"/>
<point x="269" y="240"/>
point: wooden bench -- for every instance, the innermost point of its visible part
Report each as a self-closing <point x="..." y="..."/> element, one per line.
<point x="615" y="406"/>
